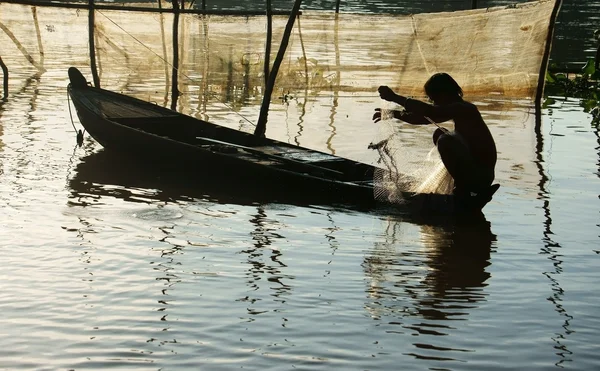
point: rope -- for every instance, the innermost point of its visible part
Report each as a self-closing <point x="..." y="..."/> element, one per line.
<point x="182" y="73"/>
<point x="79" y="133"/>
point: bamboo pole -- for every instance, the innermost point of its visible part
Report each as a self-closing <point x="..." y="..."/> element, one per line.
<point x="205" y="69"/>
<point x="539" y="95"/>
<point x="268" y="42"/>
<point x="261" y="125"/>
<point x="164" y="50"/>
<point x="174" y="74"/>
<point x="473" y="4"/>
<point x="21" y="48"/>
<point x="337" y="7"/>
<point x="140" y="9"/>
<point x="91" y="27"/>
<point x="38" y="34"/>
<point x="336" y="84"/>
<point x="5" y="73"/>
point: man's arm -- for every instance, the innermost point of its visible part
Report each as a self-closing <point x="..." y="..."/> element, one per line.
<point x="405" y="116"/>
<point x="411" y="118"/>
<point x="418" y="108"/>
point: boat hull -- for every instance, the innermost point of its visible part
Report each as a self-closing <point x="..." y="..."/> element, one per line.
<point x="167" y="140"/>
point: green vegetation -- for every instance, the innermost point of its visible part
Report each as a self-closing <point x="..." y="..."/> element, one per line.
<point x="584" y="85"/>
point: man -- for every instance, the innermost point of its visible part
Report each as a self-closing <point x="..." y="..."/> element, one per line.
<point x="468" y="153"/>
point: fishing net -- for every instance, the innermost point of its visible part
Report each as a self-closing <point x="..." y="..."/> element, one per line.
<point x="488" y="51"/>
<point x="402" y="170"/>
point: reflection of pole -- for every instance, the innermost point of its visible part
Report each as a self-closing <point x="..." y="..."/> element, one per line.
<point x="175" y="90"/>
<point x="91" y="26"/>
<point x="5" y="73"/>
<point x="550" y="245"/>
<point x="261" y="125"/>
<point x="306" y="83"/>
<point x="336" y="85"/>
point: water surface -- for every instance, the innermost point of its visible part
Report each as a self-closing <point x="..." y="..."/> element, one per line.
<point x="110" y="266"/>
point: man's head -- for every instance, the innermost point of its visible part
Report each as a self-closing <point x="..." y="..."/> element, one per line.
<point x="442" y="88"/>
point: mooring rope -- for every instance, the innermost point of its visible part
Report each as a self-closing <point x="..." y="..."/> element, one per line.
<point x="79" y="132"/>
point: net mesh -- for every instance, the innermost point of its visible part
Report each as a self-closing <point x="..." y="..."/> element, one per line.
<point x="492" y="50"/>
<point x="401" y="170"/>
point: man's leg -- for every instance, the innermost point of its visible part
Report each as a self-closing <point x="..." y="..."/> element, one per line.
<point x="457" y="160"/>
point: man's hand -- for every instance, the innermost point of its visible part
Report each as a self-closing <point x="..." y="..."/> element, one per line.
<point x="386" y="93"/>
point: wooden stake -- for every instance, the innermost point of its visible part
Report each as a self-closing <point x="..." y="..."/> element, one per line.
<point x="268" y="42"/>
<point x="38" y="33"/>
<point x="539" y="95"/>
<point x="5" y="73"/>
<point x="91" y="27"/>
<point x="261" y="125"/>
<point x="174" y="70"/>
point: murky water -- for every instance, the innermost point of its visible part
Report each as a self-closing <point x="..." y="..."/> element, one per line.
<point x="109" y="266"/>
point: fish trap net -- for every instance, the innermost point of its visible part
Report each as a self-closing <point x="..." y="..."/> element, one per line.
<point x="401" y="170"/>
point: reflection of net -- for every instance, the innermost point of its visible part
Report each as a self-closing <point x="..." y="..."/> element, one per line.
<point x="400" y="170"/>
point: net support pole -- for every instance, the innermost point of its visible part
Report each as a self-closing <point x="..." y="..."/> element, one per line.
<point x="539" y="95"/>
<point x="174" y="70"/>
<point x="38" y="34"/>
<point x="337" y="6"/>
<point x="261" y="125"/>
<point x="268" y="42"/>
<point x="473" y="4"/>
<point x="91" y="27"/>
<point x="5" y="79"/>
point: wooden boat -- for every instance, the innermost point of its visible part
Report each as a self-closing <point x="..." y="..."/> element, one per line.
<point x="169" y="139"/>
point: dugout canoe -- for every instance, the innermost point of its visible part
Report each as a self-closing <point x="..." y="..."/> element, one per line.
<point x="167" y="139"/>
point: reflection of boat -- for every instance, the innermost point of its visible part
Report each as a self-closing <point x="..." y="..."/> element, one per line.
<point x="107" y="173"/>
<point x="159" y="135"/>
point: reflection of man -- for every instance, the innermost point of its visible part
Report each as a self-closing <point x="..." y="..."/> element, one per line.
<point x="454" y="259"/>
<point x="458" y="255"/>
<point x="469" y="153"/>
